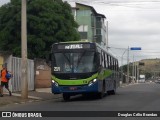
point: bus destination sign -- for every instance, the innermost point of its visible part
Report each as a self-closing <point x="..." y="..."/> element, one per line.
<point x="73" y="46"/>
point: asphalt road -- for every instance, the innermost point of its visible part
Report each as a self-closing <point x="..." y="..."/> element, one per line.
<point x="137" y="97"/>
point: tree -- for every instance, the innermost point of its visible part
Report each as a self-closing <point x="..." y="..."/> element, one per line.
<point x="48" y="22"/>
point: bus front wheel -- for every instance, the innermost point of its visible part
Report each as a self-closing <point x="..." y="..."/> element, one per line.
<point x="102" y="93"/>
<point x="66" y="97"/>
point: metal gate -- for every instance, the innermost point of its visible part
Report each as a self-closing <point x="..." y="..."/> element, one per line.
<point x="16" y="69"/>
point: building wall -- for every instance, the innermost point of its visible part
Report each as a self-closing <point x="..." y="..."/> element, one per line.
<point x="84" y="20"/>
<point x="104" y="33"/>
<point x="96" y="25"/>
<point x="43" y="74"/>
<point x="92" y="25"/>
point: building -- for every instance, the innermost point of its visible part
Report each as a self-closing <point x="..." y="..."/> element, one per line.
<point x="92" y="25"/>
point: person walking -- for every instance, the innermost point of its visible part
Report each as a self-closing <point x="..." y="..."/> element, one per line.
<point x="5" y="77"/>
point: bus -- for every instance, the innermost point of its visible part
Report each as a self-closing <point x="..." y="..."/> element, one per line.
<point x="83" y="68"/>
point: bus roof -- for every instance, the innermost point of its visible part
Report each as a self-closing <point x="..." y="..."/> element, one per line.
<point x="85" y="41"/>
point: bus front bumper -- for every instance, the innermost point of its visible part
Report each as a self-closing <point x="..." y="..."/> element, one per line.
<point x="77" y="89"/>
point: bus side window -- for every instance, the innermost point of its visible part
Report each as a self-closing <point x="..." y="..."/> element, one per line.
<point x="114" y="64"/>
<point x="104" y="55"/>
<point x="106" y="61"/>
<point x="102" y="59"/>
<point x="110" y="60"/>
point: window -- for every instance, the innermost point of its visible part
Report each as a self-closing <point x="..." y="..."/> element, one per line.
<point x="78" y="62"/>
<point x="102" y="58"/>
<point x="80" y="28"/>
<point x="98" y="31"/>
<point x="84" y="12"/>
<point x="98" y="19"/>
<point x="83" y="28"/>
<point x="111" y="63"/>
<point x="106" y="60"/>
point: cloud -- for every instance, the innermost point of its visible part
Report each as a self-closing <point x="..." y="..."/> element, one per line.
<point x="3" y="2"/>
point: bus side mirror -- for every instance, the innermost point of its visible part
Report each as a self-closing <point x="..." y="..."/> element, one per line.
<point x="48" y="59"/>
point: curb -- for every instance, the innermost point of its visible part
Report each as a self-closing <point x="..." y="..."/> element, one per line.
<point x="31" y="97"/>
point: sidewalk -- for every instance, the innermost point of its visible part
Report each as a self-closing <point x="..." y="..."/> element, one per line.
<point x="38" y="95"/>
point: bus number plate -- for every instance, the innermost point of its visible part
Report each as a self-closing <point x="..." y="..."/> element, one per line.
<point x="73" y="88"/>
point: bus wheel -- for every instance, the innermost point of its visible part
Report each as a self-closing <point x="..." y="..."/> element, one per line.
<point x="66" y="97"/>
<point x="114" y="90"/>
<point x="102" y="93"/>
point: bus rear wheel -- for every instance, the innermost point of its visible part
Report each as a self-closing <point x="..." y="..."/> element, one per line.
<point x="112" y="92"/>
<point x="66" y="97"/>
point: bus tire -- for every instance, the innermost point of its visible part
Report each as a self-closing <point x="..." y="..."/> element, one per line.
<point x="112" y="92"/>
<point x="66" y="97"/>
<point x="102" y="93"/>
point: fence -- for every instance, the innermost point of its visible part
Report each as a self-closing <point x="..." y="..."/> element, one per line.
<point x="16" y="69"/>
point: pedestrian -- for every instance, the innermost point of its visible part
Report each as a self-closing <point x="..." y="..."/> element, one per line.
<point x="5" y="77"/>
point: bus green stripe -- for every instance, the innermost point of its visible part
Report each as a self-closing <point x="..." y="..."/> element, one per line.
<point x="100" y="76"/>
<point x="74" y="82"/>
<point x="104" y="74"/>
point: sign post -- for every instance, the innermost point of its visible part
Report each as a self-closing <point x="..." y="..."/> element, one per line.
<point x="134" y="65"/>
<point x="135" y="48"/>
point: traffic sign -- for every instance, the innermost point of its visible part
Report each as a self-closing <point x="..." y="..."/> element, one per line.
<point x="135" y="48"/>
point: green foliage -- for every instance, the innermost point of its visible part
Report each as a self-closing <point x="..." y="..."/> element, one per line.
<point x="48" y="21"/>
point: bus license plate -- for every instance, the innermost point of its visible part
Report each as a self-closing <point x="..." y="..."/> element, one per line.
<point x="72" y="88"/>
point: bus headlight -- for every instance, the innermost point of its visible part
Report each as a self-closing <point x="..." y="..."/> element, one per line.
<point x="92" y="82"/>
<point x="54" y="82"/>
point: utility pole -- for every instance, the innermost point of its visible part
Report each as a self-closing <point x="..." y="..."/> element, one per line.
<point x="133" y="65"/>
<point x="24" y="83"/>
<point x="122" y="65"/>
<point x="137" y="73"/>
<point x="128" y="66"/>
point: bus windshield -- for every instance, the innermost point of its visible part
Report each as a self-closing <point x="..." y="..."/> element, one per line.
<point x="74" y="62"/>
